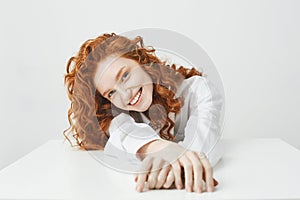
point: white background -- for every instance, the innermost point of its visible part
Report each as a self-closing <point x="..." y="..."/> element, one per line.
<point x="255" y="46"/>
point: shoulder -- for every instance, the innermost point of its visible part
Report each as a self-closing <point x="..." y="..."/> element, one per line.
<point x="194" y="83"/>
<point x="199" y="87"/>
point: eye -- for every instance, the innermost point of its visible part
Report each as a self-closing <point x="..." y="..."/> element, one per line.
<point x="111" y="93"/>
<point x="125" y="75"/>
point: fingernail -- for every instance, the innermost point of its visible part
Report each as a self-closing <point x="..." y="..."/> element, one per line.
<point x="179" y="186"/>
<point x="210" y="189"/>
<point x="138" y="188"/>
<point x="189" y="189"/>
<point x="198" y="190"/>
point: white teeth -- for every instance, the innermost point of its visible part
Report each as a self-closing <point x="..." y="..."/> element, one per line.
<point x="136" y="98"/>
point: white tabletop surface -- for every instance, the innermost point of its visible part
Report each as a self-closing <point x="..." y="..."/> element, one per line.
<point x="249" y="169"/>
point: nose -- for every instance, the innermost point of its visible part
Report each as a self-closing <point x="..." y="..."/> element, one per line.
<point x="124" y="93"/>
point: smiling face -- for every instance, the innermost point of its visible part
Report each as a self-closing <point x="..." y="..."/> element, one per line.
<point x="124" y="83"/>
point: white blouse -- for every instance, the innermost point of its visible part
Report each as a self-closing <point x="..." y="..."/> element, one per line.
<point x="197" y="125"/>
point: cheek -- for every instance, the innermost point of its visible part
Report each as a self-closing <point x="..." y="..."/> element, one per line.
<point x="135" y="81"/>
<point x="139" y="78"/>
<point x="150" y="89"/>
<point x="145" y="79"/>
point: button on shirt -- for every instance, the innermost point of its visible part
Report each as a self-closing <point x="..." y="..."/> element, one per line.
<point x="197" y="125"/>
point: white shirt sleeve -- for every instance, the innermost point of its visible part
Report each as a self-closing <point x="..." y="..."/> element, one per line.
<point x="128" y="136"/>
<point x="202" y="131"/>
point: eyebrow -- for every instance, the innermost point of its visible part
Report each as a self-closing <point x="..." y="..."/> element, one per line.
<point x="118" y="76"/>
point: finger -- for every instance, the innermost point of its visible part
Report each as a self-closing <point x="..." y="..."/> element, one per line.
<point x="170" y="179"/>
<point x="197" y="170"/>
<point x="135" y="178"/>
<point x="188" y="172"/>
<point x="162" y="176"/>
<point x="215" y="182"/>
<point x="142" y="175"/>
<point x="176" y="168"/>
<point x="153" y="175"/>
<point x="208" y="172"/>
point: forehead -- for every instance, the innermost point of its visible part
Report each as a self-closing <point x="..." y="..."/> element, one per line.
<point x="107" y="71"/>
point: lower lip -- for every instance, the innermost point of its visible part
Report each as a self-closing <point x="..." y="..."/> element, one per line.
<point x="139" y="100"/>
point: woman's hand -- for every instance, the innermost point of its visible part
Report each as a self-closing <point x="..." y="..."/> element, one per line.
<point x="157" y="173"/>
<point x="164" y="162"/>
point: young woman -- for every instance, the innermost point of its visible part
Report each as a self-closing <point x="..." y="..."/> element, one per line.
<point x="124" y="97"/>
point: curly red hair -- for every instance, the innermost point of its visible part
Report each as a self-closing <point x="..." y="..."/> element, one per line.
<point x="90" y="113"/>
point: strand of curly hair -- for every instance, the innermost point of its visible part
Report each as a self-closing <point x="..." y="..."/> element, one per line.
<point x="90" y="114"/>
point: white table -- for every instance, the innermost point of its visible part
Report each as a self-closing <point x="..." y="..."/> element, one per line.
<point x="249" y="169"/>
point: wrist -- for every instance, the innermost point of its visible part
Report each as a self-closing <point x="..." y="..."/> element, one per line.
<point x="152" y="147"/>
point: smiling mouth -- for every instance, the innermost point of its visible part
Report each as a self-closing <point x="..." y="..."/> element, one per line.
<point x="136" y="98"/>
